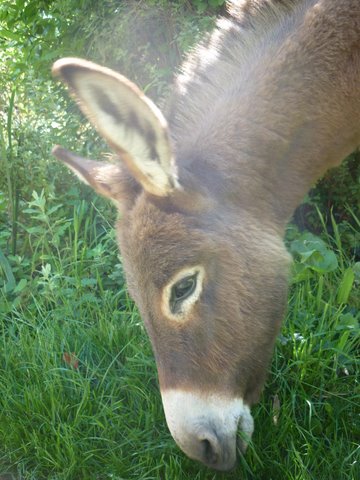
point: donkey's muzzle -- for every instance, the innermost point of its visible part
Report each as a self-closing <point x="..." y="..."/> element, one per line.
<point x="205" y="425"/>
<point x="211" y="449"/>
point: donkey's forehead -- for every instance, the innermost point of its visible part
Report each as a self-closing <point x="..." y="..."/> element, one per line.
<point x="158" y="243"/>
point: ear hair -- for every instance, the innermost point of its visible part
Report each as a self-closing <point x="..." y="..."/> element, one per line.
<point x="127" y="119"/>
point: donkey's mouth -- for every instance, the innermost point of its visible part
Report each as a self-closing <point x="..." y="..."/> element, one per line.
<point x="205" y="426"/>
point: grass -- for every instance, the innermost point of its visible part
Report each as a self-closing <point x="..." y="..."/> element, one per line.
<point x="78" y="390"/>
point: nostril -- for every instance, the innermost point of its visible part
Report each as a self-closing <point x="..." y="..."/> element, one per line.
<point x="211" y="456"/>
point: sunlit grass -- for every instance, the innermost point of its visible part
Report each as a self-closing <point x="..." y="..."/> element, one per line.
<point x="78" y="390"/>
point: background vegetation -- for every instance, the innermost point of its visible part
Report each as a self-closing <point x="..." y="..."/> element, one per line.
<point x="78" y="389"/>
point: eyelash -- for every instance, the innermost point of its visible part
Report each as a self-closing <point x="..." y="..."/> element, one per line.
<point x="180" y="292"/>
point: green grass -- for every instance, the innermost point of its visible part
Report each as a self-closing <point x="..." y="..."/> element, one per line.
<point x="101" y="418"/>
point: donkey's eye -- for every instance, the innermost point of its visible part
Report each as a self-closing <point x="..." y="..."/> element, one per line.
<point x="182" y="290"/>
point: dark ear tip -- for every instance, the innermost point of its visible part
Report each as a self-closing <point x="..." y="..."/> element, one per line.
<point x="66" y="67"/>
<point x="55" y="149"/>
<point x="62" y="154"/>
<point x="60" y="67"/>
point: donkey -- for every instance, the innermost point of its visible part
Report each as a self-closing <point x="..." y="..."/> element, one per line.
<point x="261" y="109"/>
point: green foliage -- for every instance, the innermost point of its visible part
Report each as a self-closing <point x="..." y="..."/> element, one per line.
<point x="203" y="5"/>
<point x="36" y="114"/>
<point x="313" y="255"/>
<point x="337" y="194"/>
<point x="78" y="378"/>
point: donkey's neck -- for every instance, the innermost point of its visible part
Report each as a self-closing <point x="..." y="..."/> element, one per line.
<point x="279" y="113"/>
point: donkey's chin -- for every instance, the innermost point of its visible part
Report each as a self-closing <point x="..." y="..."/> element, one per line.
<point x="205" y="426"/>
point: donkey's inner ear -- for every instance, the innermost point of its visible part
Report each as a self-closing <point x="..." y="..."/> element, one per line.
<point x="127" y="119"/>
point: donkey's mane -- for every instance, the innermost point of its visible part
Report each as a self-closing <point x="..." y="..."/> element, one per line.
<point x="214" y="67"/>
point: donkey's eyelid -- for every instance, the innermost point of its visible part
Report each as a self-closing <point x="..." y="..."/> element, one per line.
<point x="182" y="290"/>
<point x="177" y="307"/>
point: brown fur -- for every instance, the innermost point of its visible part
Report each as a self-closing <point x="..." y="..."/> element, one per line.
<point x="262" y="109"/>
<point x="257" y="134"/>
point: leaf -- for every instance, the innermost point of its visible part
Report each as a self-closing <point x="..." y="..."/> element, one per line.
<point x="20" y="286"/>
<point x="329" y="409"/>
<point x="71" y="360"/>
<point x="356" y="269"/>
<point x="345" y="286"/>
<point x="35" y="230"/>
<point x="276" y="409"/>
<point x="324" y="262"/>
<point x="46" y="270"/>
<point x="313" y="252"/>
<point x="30" y="11"/>
<point x="6" y="268"/>
<point x="347" y="321"/>
<point x="54" y="209"/>
<point x="300" y="272"/>
<point x="88" y="282"/>
<point x="8" y="34"/>
<point x="201" y="5"/>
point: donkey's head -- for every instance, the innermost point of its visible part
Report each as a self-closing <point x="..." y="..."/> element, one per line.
<point x="209" y="278"/>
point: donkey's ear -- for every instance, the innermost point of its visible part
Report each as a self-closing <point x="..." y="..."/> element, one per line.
<point x="129" y="121"/>
<point x="108" y="179"/>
